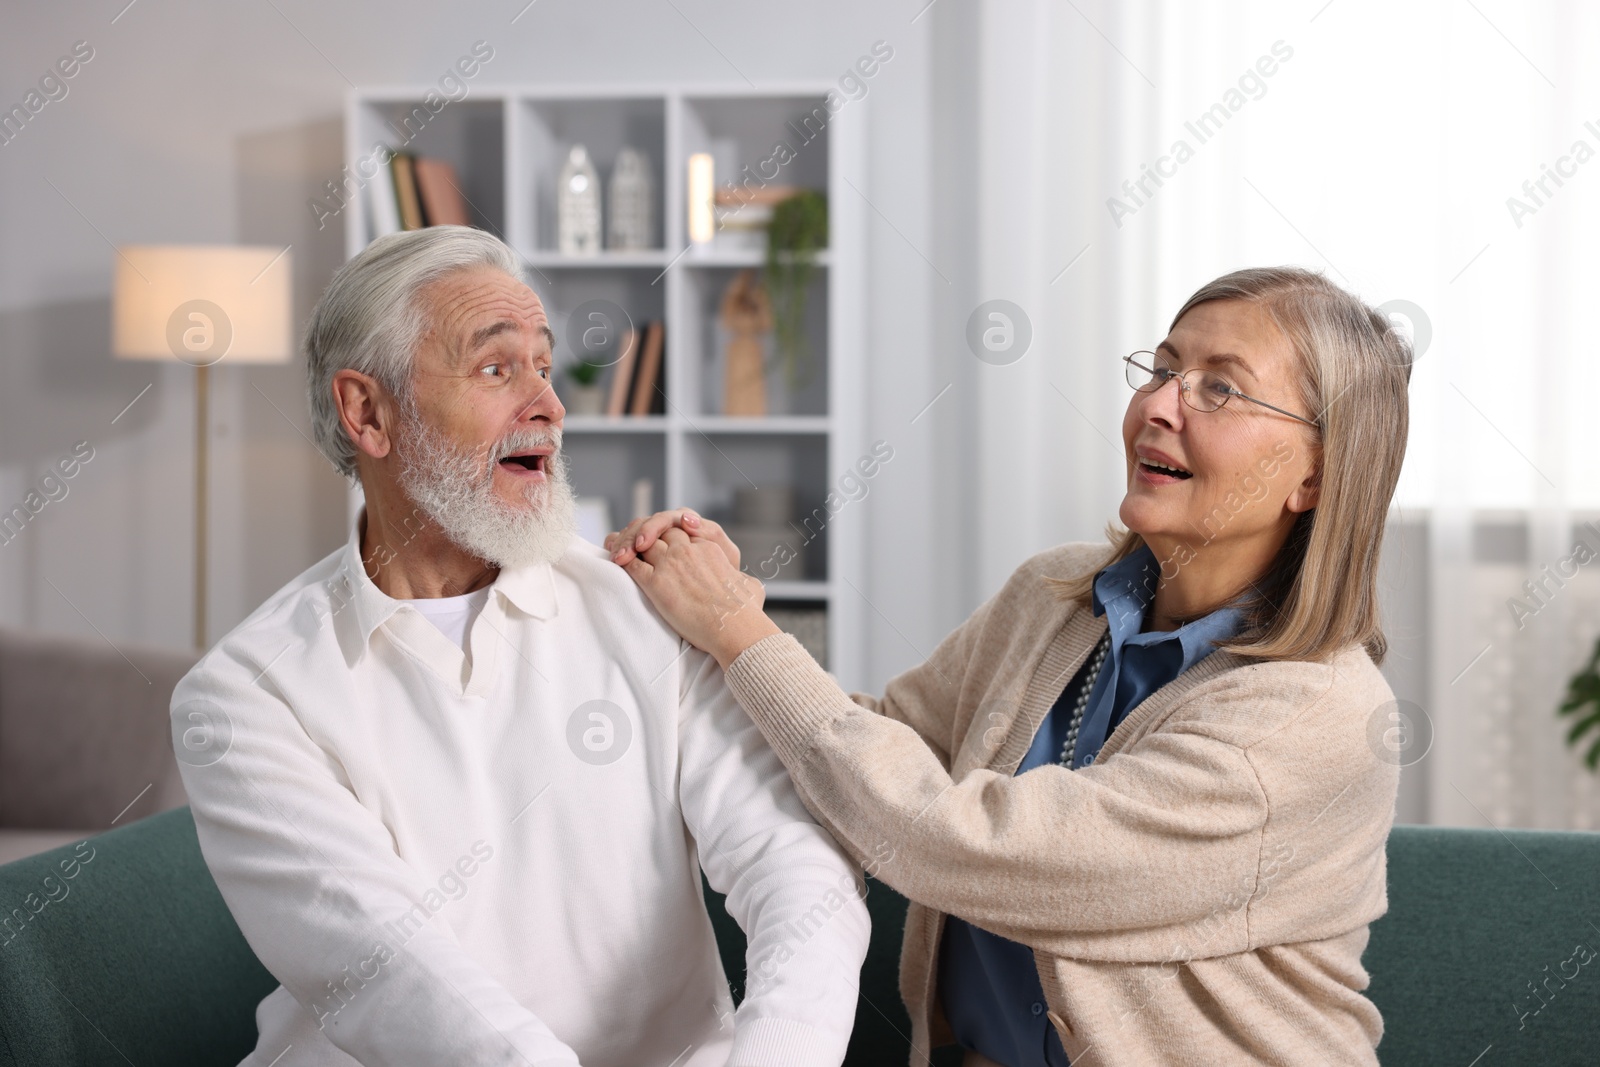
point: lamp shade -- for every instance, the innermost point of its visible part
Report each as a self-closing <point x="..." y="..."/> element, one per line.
<point x="202" y="304"/>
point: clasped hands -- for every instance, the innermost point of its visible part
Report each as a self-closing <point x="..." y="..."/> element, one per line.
<point x="689" y="569"/>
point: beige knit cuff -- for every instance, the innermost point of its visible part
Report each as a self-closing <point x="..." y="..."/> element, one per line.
<point x="788" y="695"/>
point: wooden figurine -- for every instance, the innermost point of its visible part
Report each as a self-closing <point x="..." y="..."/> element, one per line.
<point x="747" y="316"/>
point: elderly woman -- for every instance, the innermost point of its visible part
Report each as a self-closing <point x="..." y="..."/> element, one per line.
<point x="1132" y="798"/>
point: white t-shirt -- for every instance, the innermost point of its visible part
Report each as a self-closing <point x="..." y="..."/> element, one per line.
<point x="453" y="615"/>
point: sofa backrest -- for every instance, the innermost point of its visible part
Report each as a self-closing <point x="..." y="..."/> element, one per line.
<point x="882" y="1034"/>
<point x="140" y="958"/>
<point x="1483" y="950"/>
<point x="120" y="950"/>
<point x="85" y="727"/>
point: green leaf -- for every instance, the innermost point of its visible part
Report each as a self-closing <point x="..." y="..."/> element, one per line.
<point x="1583" y="700"/>
<point x="1583" y="726"/>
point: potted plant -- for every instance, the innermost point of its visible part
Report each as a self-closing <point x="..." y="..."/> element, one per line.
<point x="1583" y="702"/>
<point x="585" y="397"/>
<point x="798" y="230"/>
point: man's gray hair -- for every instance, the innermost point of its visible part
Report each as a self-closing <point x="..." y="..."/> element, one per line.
<point x="371" y="318"/>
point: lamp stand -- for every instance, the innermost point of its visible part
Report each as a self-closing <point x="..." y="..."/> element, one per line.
<point x="202" y="391"/>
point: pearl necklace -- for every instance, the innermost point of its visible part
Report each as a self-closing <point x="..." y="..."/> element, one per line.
<point x="1096" y="661"/>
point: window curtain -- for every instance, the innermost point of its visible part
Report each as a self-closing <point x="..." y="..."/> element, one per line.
<point x="1439" y="159"/>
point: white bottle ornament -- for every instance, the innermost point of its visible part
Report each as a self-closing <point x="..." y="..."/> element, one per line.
<point x="629" y="218"/>
<point x="578" y="205"/>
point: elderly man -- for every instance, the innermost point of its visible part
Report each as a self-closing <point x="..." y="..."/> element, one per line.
<point x="457" y="782"/>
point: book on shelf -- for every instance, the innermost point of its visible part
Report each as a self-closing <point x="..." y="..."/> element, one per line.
<point x="384" y="209"/>
<point x="646" y="382"/>
<point x="748" y="211"/>
<point x="405" y="191"/>
<point x="658" y="396"/>
<point x="421" y="191"/>
<point x="766" y="195"/>
<point x="622" y="373"/>
<point x="440" y="193"/>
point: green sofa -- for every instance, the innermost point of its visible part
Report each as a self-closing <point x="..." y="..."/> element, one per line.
<point x="134" y="959"/>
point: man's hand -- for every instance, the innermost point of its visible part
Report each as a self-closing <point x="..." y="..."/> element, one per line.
<point x="633" y="539"/>
<point x="709" y="601"/>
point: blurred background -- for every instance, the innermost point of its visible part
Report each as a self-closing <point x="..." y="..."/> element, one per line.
<point x="1076" y="168"/>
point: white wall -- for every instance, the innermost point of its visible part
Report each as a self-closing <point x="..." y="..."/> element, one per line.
<point x="217" y="123"/>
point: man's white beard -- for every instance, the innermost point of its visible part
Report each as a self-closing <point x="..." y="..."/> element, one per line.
<point x="456" y="490"/>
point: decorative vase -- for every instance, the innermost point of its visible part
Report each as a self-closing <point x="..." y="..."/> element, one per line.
<point x="578" y="205"/>
<point x="629" y="219"/>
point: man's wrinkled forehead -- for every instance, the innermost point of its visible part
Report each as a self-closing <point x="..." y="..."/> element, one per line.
<point x="474" y="307"/>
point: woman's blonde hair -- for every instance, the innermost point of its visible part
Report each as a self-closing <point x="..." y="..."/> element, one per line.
<point x="1320" y="595"/>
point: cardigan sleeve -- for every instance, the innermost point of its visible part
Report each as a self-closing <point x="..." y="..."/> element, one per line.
<point x="1150" y="846"/>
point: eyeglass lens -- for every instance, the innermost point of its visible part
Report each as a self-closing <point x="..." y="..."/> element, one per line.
<point x="1207" y="390"/>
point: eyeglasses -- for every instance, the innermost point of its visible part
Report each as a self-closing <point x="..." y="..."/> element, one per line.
<point x="1203" y="390"/>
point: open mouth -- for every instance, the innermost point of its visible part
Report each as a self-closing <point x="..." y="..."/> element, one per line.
<point x="533" y="462"/>
<point x="1162" y="469"/>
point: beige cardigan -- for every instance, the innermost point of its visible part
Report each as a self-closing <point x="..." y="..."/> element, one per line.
<point x="1198" y="895"/>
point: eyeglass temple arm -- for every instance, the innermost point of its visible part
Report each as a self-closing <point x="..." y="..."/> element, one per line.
<point x="1274" y="407"/>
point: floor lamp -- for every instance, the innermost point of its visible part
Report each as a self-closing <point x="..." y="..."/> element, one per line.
<point x="200" y="304"/>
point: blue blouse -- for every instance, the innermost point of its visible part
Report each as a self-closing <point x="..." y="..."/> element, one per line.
<point x="988" y="985"/>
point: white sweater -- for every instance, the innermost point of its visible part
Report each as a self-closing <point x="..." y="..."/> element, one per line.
<point x="496" y="859"/>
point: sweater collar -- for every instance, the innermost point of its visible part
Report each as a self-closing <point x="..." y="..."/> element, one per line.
<point x="530" y="589"/>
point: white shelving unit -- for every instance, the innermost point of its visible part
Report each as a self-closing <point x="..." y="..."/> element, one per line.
<point x="508" y="144"/>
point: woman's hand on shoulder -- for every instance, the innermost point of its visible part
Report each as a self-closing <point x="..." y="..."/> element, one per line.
<point x="695" y="583"/>
<point x="631" y="541"/>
